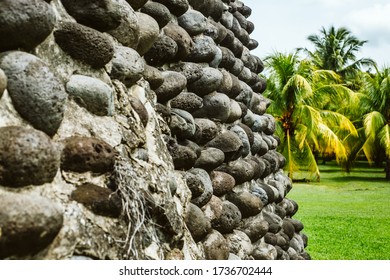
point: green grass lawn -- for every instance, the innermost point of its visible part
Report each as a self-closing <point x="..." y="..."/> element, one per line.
<point x="346" y="216"/>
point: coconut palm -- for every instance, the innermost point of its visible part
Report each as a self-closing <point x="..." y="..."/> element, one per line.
<point x="302" y="101"/>
<point x="336" y="50"/>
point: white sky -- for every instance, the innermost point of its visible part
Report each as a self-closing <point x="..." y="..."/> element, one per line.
<point x="284" y="25"/>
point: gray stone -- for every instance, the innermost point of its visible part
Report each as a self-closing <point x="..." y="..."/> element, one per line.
<point x="245" y="75"/>
<point x="217" y="58"/>
<point x="137" y="4"/>
<point x="298" y="226"/>
<point x="239" y="244"/>
<point x="157" y="11"/>
<point x="250" y="27"/>
<point x="182" y="124"/>
<point x="229" y="143"/>
<point x="203" y="49"/>
<point x="182" y="39"/>
<point x="237" y="67"/>
<point x="257" y="165"/>
<point x="241" y="19"/>
<point x="245" y="95"/>
<point x="173" y="84"/>
<point x="176" y="7"/>
<point x="236" y="87"/>
<point x="192" y="145"/>
<point x="215" y="246"/>
<point x="227" y="19"/>
<point x="183" y="157"/>
<point x="153" y="76"/>
<point x="222" y="182"/>
<point x="236" y="47"/>
<point x="29" y="223"/>
<point x="206" y="130"/>
<point x="208" y="188"/>
<point x="264" y="251"/>
<point x="91" y="93"/>
<point x="260" y="193"/>
<point x="27" y="157"/>
<point x="24" y="23"/>
<point x="259" y="146"/>
<point x="102" y="15"/>
<point x="36" y="93"/>
<point x="228" y="59"/>
<point x="140" y="109"/>
<point x="254" y="227"/>
<point x="229" y="219"/>
<point x="187" y="101"/>
<point x="196" y="222"/>
<point x="101" y="201"/>
<point x="127" y="65"/>
<point x="210" y="158"/>
<point x="249" y="60"/>
<point x="227" y="82"/>
<point x="194" y="183"/>
<point x="249" y="204"/>
<point x="216" y="31"/>
<point x="198" y="4"/>
<point x="216" y="106"/>
<point x="288" y="229"/>
<point x="235" y="111"/>
<point x="213" y="208"/>
<point x="190" y="70"/>
<point x="127" y="32"/>
<point x="3" y="82"/>
<point x="82" y="154"/>
<point x="148" y="32"/>
<point x="258" y="104"/>
<point x="241" y="170"/>
<point x="163" y="51"/>
<point x="193" y="22"/>
<point x="243" y="137"/>
<point x="85" y="44"/>
<point x="210" y="81"/>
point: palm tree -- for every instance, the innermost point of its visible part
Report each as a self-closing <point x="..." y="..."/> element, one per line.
<point x="336" y="49"/>
<point x="302" y="99"/>
<point x="376" y="120"/>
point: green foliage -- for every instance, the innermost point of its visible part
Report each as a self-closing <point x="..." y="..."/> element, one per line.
<point x="303" y="103"/>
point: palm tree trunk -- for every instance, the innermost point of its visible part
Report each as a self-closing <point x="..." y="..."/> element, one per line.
<point x="387" y="169"/>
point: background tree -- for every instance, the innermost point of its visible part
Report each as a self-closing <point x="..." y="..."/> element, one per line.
<point x="302" y="98"/>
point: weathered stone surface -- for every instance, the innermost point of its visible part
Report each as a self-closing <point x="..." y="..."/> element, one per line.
<point x="264" y="251"/>
<point x="163" y="50"/>
<point x="241" y="170"/>
<point x="239" y="244"/>
<point x="254" y="227"/>
<point x="210" y="81"/>
<point x="91" y="93"/>
<point x="148" y="32"/>
<point x="259" y="146"/>
<point x="216" y="106"/>
<point x="249" y="204"/>
<point x="229" y="143"/>
<point x="181" y="37"/>
<point x="187" y="101"/>
<point x="213" y="208"/>
<point x="102" y="15"/>
<point x="157" y="11"/>
<point x="82" y="154"/>
<point x="153" y="76"/>
<point x="261" y="193"/>
<point x="137" y="4"/>
<point x="173" y="84"/>
<point x="3" y="82"/>
<point x="192" y="145"/>
<point x="193" y="22"/>
<point x="194" y="183"/>
<point x="182" y="124"/>
<point x="101" y="201"/>
<point x="229" y="219"/>
<point x="210" y="158"/>
<point x="176" y="7"/>
<point x="28" y="223"/>
<point x="217" y="58"/>
<point x="227" y="19"/>
<point x="208" y="189"/>
<point x="222" y="182"/>
<point x="36" y="93"/>
<point x="24" y="23"/>
<point x="140" y="109"/>
<point x="127" y="32"/>
<point x="206" y="130"/>
<point x="27" y="157"/>
<point x="197" y="223"/>
<point x="127" y="65"/>
<point x="183" y="157"/>
<point x="235" y="111"/>
<point x="190" y="70"/>
<point x="85" y="44"/>
<point x="216" y="246"/>
<point x="244" y="139"/>
<point x="203" y="49"/>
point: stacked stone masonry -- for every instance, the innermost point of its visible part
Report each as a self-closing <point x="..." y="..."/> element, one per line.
<point x="133" y="129"/>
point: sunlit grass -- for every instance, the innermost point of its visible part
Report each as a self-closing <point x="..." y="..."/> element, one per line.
<point x="346" y="216"/>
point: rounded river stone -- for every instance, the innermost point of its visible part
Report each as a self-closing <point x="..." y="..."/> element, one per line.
<point x="222" y="182"/>
<point x="193" y="22"/>
<point x="210" y="158"/>
<point x="82" y="154"/>
<point x="181" y="37"/>
<point x="127" y="65"/>
<point x="157" y="11"/>
<point x="249" y="204"/>
<point x="163" y="51"/>
<point x="215" y="246"/>
<point x="27" y="157"/>
<point x="24" y="23"/>
<point x="216" y="106"/>
<point x="229" y="143"/>
<point x="187" y="101"/>
<point x="197" y="223"/>
<point x="173" y="84"/>
<point x="176" y="7"/>
<point x="205" y="131"/>
<point x="29" y="223"/>
<point x="36" y="93"/>
<point x="148" y="32"/>
<point x="84" y="44"/>
<point x="210" y="81"/>
<point x="229" y="219"/>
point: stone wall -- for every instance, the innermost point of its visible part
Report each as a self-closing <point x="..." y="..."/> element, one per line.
<point x="133" y="129"/>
